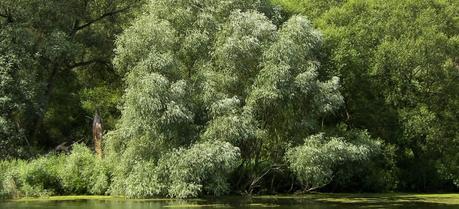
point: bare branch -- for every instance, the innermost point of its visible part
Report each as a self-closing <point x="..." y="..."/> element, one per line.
<point x="255" y="181"/>
<point x="108" y="14"/>
<point x="89" y="62"/>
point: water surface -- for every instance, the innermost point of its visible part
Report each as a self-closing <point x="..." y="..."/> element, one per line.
<point x="388" y="202"/>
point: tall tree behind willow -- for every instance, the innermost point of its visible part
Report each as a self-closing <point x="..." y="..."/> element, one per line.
<point x="55" y="64"/>
<point x="398" y="61"/>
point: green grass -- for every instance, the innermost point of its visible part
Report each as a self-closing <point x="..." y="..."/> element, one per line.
<point x="68" y="198"/>
<point x="86" y="197"/>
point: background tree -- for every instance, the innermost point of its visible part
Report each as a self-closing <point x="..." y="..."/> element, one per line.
<point x="398" y="64"/>
<point x="58" y="55"/>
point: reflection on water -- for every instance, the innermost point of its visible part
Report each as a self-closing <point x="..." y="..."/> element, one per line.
<point x="240" y="203"/>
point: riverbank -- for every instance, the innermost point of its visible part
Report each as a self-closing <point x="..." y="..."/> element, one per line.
<point x="388" y="198"/>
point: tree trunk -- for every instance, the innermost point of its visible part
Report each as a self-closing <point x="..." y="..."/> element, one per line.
<point x="97" y="132"/>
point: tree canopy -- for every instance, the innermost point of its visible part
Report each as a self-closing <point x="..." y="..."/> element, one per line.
<point x="213" y="97"/>
<point x="56" y="67"/>
<point x="236" y="72"/>
<point x="399" y="69"/>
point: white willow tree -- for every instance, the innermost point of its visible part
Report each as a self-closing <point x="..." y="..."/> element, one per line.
<point x="212" y="70"/>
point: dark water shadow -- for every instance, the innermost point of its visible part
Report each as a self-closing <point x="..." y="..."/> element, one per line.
<point x="320" y="201"/>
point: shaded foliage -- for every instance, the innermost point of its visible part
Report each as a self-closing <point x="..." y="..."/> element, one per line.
<point x="57" y="57"/>
<point x="398" y="65"/>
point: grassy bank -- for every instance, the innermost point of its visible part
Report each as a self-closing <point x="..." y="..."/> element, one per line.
<point x="389" y="198"/>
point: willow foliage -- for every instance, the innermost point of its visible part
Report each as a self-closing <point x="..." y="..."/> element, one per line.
<point x="315" y="162"/>
<point x="200" y="72"/>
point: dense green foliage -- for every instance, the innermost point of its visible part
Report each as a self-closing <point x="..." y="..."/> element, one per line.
<point x="315" y="161"/>
<point x="82" y="173"/>
<point x="79" y="172"/>
<point x="200" y="170"/>
<point x="55" y="70"/>
<point x="234" y="72"/>
<point x="214" y="97"/>
<point x="399" y="66"/>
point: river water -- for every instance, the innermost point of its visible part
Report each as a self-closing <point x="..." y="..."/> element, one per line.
<point x="241" y="203"/>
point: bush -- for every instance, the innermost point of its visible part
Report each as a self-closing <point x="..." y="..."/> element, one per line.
<point x="40" y="177"/>
<point x="202" y="169"/>
<point x="100" y="179"/>
<point x="146" y="180"/>
<point x="377" y="174"/>
<point x="84" y="173"/>
<point x="315" y="162"/>
<point x="8" y="188"/>
<point x="80" y="172"/>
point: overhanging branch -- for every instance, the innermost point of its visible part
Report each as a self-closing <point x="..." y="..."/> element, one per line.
<point x="89" y="62"/>
<point x="108" y="14"/>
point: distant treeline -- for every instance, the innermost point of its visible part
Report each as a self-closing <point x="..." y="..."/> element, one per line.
<point x="218" y="97"/>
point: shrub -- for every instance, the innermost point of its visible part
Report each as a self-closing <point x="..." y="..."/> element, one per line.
<point x="315" y="161"/>
<point x="77" y="171"/>
<point x="84" y="173"/>
<point x="146" y="180"/>
<point x="40" y="177"/>
<point x="183" y="173"/>
<point x="202" y="169"/>
<point x="80" y="172"/>
<point x="377" y="174"/>
<point x="100" y="179"/>
<point x="8" y="188"/>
